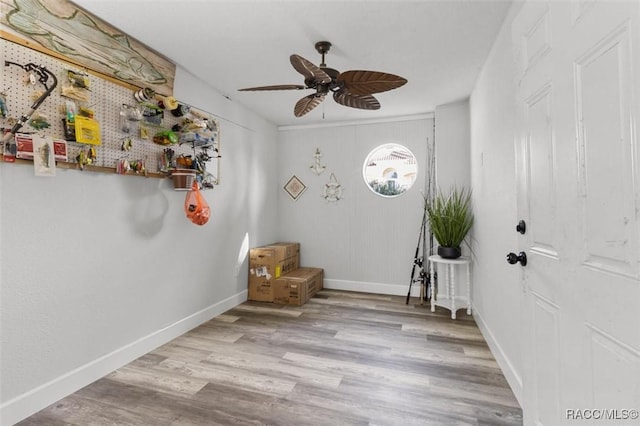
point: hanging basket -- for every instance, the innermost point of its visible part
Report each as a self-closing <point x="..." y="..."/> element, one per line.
<point x="183" y="179"/>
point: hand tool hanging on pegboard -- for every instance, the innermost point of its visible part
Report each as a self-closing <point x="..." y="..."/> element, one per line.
<point x="43" y="77"/>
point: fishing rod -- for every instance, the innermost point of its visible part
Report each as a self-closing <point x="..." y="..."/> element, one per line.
<point x="43" y="77"/>
<point x="429" y="281"/>
<point x="424" y="277"/>
<point x="417" y="260"/>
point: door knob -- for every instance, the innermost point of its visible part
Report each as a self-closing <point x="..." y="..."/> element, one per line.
<point x="521" y="257"/>
<point x="521" y="227"/>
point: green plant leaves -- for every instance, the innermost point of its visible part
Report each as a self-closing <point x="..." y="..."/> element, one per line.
<point x="450" y="216"/>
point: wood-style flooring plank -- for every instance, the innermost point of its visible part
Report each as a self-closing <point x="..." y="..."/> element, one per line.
<point x="216" y="374"/>
<point x="231" y="358"/>
<point x="341" y="359"/>
<point x="272" y="410"/>
<point x="153" y="378"/>
<point x="382" y="411"/>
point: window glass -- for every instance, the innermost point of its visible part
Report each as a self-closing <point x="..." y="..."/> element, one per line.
<point x="390" y="170"/>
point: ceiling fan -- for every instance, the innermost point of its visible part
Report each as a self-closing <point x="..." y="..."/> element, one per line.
<point x="350" y="88"/>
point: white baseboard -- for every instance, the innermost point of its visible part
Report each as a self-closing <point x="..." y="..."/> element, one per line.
<point x="376" y="288"/>
<point x="36" y="399"/>
<point x="510" y="373"/>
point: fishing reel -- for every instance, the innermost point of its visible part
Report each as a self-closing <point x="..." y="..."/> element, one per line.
<point x="33" y="69"/>
<point x="43" y="77"/>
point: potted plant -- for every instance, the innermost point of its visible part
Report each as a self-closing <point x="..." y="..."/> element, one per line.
<point x="450" y="219"/>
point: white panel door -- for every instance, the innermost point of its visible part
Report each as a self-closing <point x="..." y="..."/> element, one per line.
<point x="578" y="75"/>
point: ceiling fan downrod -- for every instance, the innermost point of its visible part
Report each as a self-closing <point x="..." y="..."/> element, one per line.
<point x="323" y="47"/>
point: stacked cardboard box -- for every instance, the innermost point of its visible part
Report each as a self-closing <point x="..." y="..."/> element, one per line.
<point x="267" y="263"/>
<point x="275" y="275"/>
<point x="297" y="287"/>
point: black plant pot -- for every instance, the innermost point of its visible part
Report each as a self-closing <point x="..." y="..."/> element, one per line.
<point x="449" y="252"/>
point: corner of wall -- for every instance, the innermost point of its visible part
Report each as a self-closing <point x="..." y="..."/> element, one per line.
<point x="453" y="144"/>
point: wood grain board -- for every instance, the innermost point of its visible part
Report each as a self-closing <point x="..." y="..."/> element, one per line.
<point x="342" y="359"/>
<point x="61" y="29"/>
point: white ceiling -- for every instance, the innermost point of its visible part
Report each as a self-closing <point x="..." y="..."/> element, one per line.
<point x="438" y="46"/>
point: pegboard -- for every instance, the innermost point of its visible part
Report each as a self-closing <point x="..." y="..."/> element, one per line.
<point x="105" y="98"/>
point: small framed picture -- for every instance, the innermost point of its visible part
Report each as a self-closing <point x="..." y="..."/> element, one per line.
<point x="294" y="187"/>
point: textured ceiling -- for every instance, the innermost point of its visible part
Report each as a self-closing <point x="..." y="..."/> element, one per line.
<point x="438" y="46"/>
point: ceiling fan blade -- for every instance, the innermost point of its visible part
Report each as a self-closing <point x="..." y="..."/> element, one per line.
<point x="344" y="97"/>
<point x="309" y="70"/>
<point x="307" y="103"/>
<point x="276" y="87"/>
<point x="367" y="82"/>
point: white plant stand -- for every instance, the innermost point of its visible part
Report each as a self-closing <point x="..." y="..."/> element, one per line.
<point x="450" y="299"/>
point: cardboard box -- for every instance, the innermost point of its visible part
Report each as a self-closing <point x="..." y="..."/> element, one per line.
<point x="261" y="290"/>
<point x="291" y="255"/>
<point x="291" y="249"/>
<point x="267" y="263"/>
<point x="297" y="287"/>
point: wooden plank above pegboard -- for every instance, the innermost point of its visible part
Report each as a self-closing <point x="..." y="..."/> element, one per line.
<point x="62" y="29"/>
<point x="35" y="46"/>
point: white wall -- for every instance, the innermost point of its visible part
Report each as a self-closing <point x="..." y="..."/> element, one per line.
<point x="497" y="293"/>
<point x="364" y="242"/>
<point x="98" y="269"/>
<point x="452" y="145"/>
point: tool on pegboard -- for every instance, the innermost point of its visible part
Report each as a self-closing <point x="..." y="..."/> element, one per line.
<point x="43" y="75"/>
<point x="4" y="110"/>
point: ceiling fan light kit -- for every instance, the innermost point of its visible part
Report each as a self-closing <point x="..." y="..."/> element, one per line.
<point x="352" y="89"/>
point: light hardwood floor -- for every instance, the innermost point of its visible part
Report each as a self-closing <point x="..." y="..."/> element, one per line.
<point x="342" y="359"/>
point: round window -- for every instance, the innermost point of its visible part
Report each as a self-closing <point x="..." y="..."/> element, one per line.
<point x="390" y="170"/>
